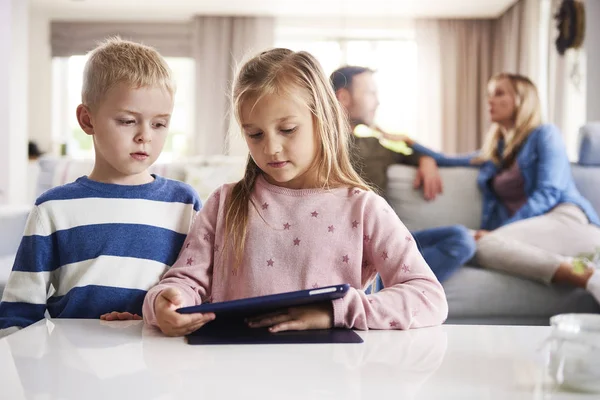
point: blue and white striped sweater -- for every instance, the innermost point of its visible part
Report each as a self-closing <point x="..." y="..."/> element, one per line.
<point x="99" y="246"/>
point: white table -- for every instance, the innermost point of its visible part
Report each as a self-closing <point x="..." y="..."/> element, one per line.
<point x="89" y="359"/>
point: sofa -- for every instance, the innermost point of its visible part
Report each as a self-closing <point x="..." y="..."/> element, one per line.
<point x="485" y="296"/>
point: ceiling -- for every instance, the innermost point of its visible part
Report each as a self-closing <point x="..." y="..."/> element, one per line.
<point x="134" y="10"/>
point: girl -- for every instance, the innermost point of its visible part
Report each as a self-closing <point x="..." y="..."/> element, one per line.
<point x="534" y="220"/>
<point x="300" y="218"/>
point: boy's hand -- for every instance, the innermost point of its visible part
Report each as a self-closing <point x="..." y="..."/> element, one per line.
<point x="170" y="322"/>
<point x="119" y="316"/>
<point x="318" y="316"/>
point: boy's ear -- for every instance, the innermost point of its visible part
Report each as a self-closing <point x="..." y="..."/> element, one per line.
<point x="84" y="117"/>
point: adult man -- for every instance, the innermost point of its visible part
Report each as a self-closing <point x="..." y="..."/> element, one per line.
<point x="446" y="248"/>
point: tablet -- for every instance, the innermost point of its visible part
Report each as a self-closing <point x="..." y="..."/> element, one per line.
<point x="265" y="304"/>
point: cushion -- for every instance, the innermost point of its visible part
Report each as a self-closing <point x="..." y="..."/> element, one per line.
<point x="460" y="202"/>
<point x="205" y="179"/>
<point x="587" y="180"/>
<point x="589" y="144"/>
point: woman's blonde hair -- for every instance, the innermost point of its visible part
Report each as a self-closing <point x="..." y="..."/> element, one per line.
<point x="528" y="116"/>
<point x="280" y="71"/>
<point x="117" y="61"/>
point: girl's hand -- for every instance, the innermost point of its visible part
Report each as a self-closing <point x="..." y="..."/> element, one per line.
<point x="480" y="233"/>
<point x="319" y="316"/>
<point x="170" y="322"/>
<point x="119" y="316"/>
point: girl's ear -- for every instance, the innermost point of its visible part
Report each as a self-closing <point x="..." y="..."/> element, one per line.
<point x="84" y="117"/>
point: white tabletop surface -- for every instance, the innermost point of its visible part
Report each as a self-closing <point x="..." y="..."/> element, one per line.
<point x="89" y="359"/>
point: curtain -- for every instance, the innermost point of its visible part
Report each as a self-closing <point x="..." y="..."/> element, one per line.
<point x="219" y="45"/>
<point x="456" y="59"/>
<point x="454" y="66"/>
<point x="76" y="38"/>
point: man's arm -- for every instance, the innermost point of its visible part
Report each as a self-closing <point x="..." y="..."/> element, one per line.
<point x="411" y="159"/>
<point x="427" y="177"/>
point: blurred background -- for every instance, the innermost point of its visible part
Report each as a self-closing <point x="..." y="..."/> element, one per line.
<point x="432" y="57"/>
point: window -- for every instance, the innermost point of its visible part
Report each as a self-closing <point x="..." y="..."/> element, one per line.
<point x="395" y="61"/>
<point x="67" y="80"/>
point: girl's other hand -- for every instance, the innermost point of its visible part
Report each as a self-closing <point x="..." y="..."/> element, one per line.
<point x="319" y="316"/>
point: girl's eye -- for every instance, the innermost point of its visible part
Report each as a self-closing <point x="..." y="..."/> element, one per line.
<point x="254" y="135"/>
<point x="288" y="131"/>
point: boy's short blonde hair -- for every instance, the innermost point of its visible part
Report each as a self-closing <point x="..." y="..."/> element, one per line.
<point x="117" y="61"/>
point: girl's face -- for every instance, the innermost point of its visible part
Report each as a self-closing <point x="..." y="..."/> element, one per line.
<point x="280" y="134"/>
<point x="502" y="102"/>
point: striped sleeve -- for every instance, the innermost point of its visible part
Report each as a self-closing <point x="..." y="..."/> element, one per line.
<point x="24" y="299"/>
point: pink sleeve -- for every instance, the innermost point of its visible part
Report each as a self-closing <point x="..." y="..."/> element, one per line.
<point x="192" y="272"/>
<point x="412" y="297"/>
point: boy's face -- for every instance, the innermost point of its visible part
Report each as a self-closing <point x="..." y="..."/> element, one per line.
<point x="129" y="127"/>
<point x="280" y="134"/>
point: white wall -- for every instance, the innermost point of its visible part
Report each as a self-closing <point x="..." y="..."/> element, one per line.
<point x="40" y="81"/>
<point x="592" y="49"/>
<point x="14" y="115"/>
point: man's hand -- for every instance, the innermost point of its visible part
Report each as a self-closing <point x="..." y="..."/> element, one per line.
<point x="428" y="177"/>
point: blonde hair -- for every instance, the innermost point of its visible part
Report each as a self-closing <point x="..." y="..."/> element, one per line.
<point x="279" y="71"/>
<point x="528" y="116"/>
<point x="117" y="61"/>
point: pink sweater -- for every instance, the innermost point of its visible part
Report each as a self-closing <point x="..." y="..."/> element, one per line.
<point x="302" y="239"/>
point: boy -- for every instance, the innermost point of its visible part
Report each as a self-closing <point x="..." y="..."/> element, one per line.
<point x="102" y="241"/>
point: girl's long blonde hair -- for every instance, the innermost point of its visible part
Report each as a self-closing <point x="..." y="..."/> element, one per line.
<point x="279" y="71"/>
<point x="528" y="116"/>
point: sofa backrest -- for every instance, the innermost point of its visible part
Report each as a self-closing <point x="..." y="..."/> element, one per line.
<point x="205" y="174"/>
<point x="460" y="202"/>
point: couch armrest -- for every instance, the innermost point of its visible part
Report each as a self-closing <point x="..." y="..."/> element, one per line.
<point x="12" y="224"/>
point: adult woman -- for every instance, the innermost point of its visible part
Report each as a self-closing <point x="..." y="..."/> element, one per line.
<point x="534" y="222"/>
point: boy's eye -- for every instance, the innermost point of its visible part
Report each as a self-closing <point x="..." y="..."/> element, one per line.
<point x="127" y="121"/>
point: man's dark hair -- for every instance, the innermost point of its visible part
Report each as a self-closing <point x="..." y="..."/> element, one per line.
<point x="342" y="77"/>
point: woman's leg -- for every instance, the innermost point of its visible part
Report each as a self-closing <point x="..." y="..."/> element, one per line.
<point x="541" y="248"/>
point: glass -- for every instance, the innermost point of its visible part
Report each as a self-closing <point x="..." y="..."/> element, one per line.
<point x="574" y="361"/>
